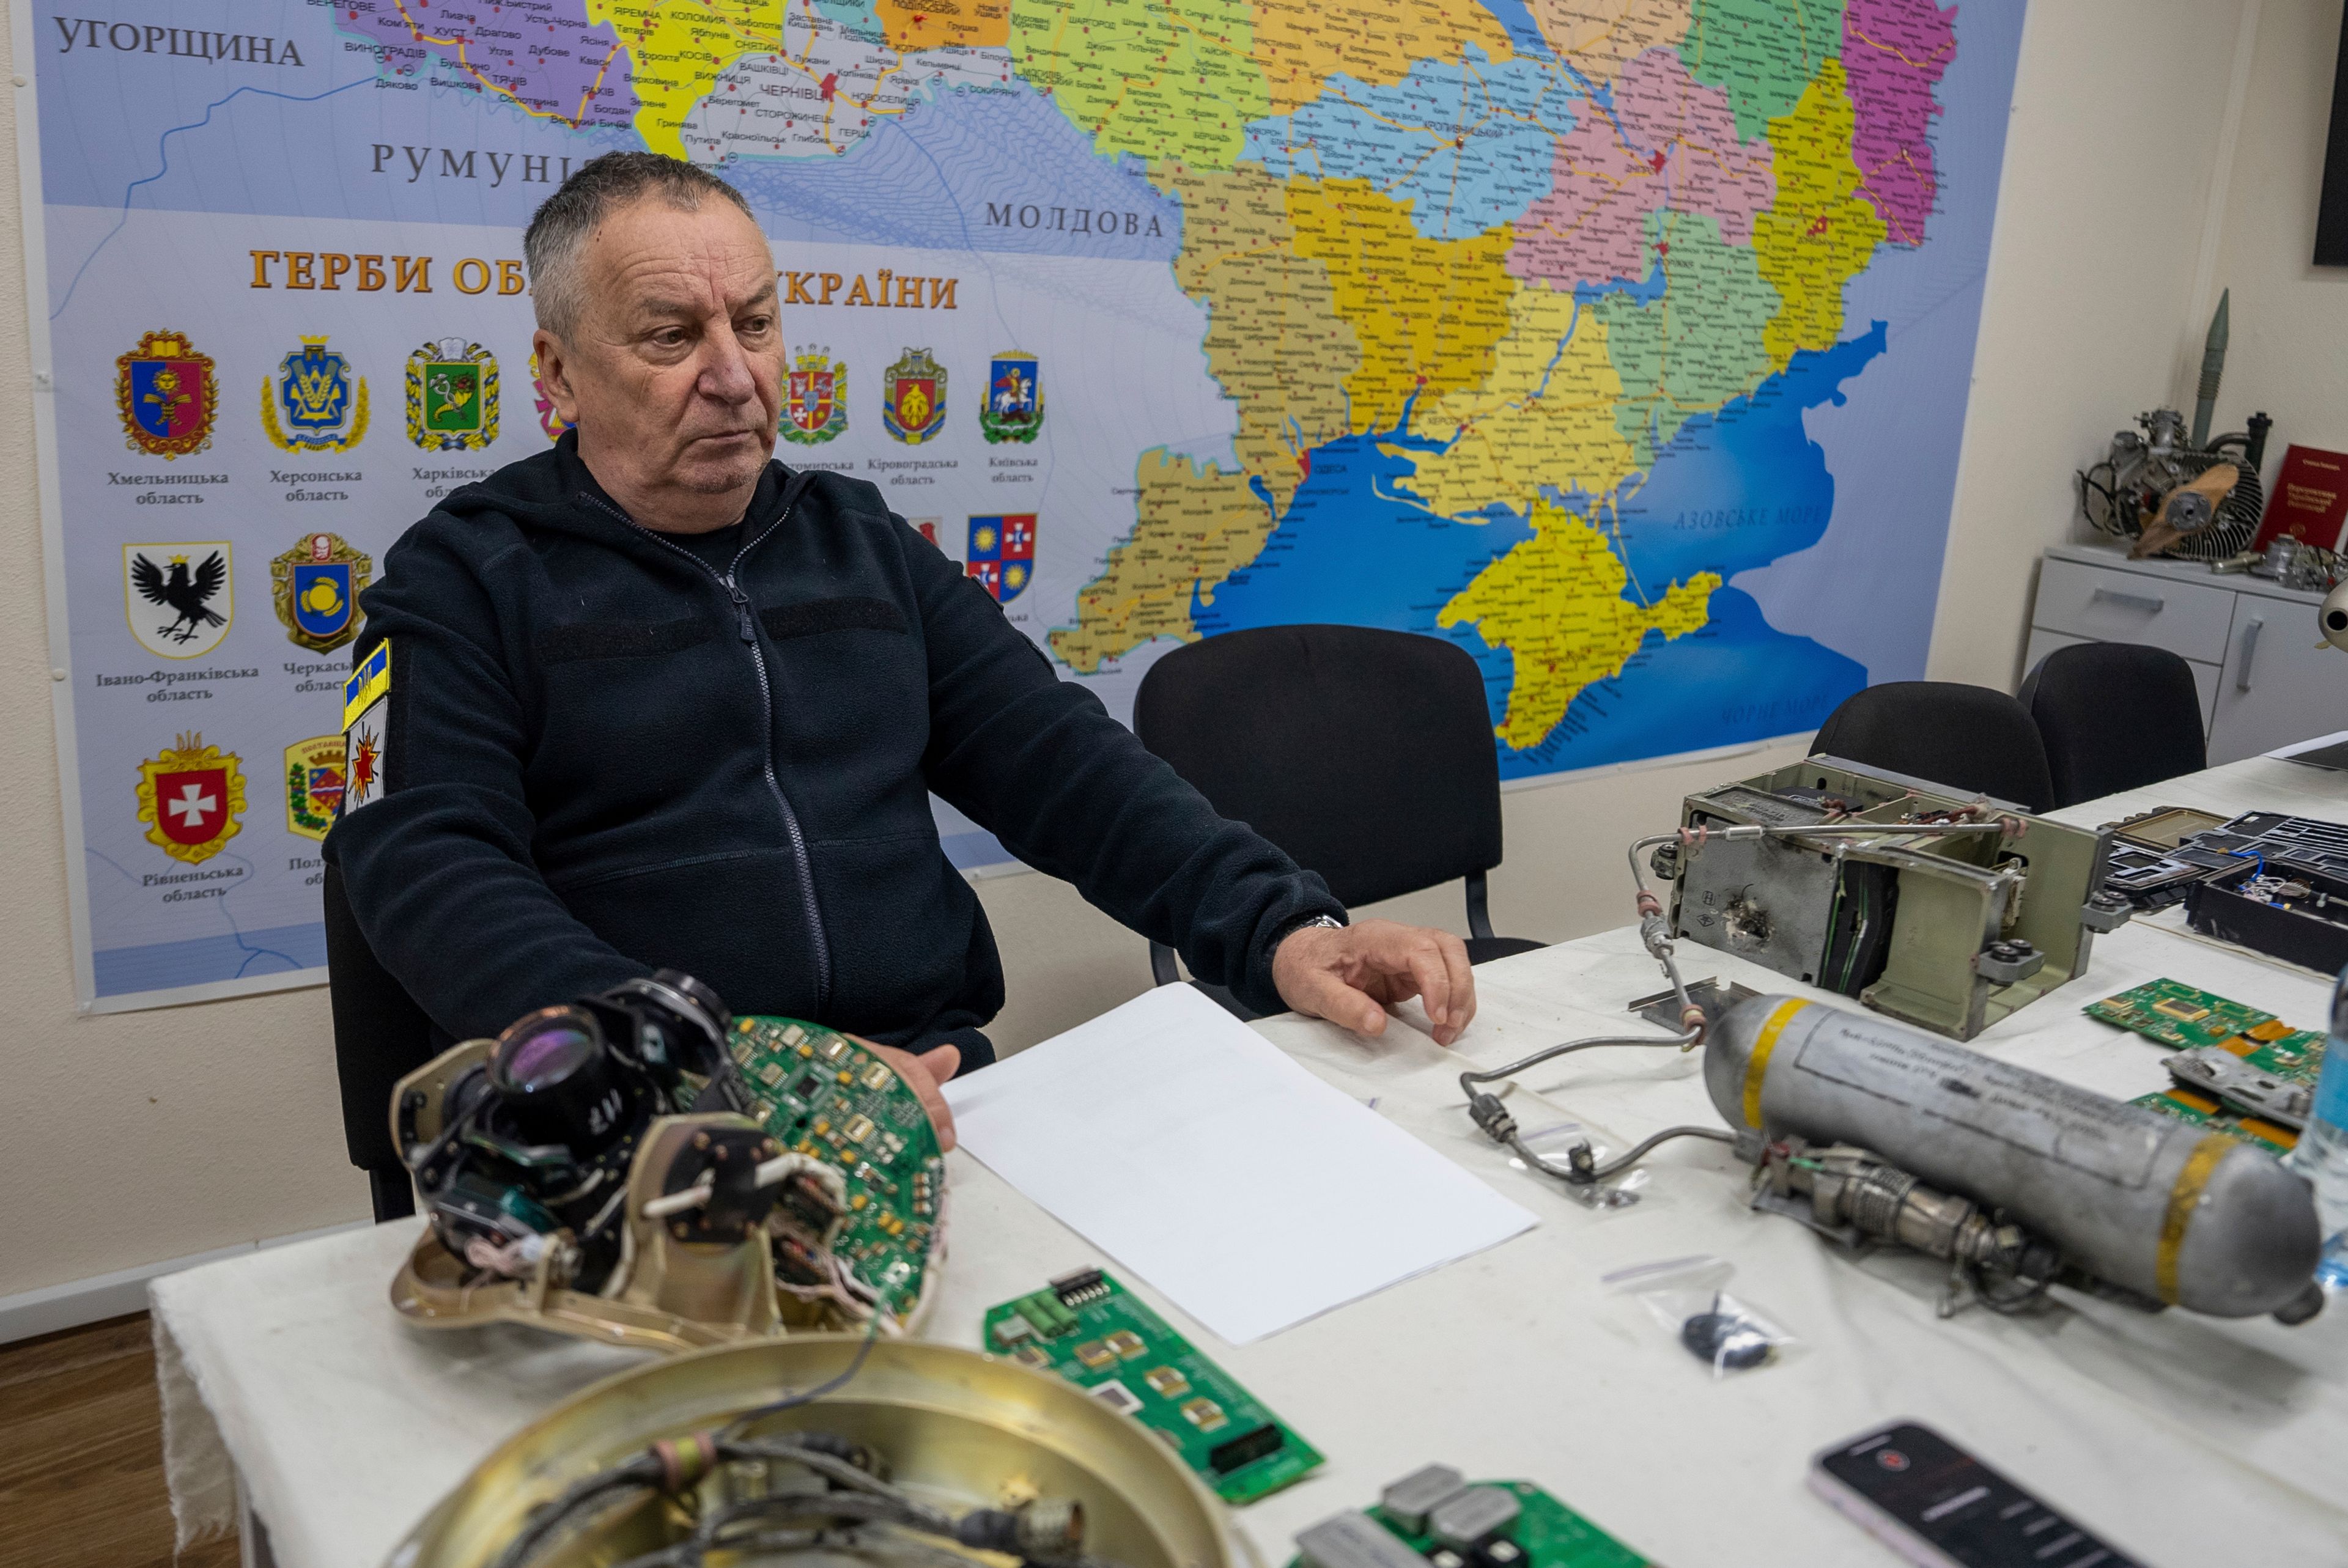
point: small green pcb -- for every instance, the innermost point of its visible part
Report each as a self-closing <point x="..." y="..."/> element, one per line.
<point x="1543" y="1533"/>
<point x="2179" y="1016"/>
<point x="1093" y="1332"/>
<point x="822" y="1094"/>
<point x="2193" y="1105"/>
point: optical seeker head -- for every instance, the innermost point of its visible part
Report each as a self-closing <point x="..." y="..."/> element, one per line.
<point x="677" y="1024"/>
<point x="553" y="1073"/>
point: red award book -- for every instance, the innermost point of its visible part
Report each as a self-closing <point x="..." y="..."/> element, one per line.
<point x="2310" y="499"/>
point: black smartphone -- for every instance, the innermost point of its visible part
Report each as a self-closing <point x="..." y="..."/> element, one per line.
<point x="1939" y="1507"/>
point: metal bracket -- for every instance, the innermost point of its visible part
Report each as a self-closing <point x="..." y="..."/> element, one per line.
<point x="2105" y="913"/>
<point x="2003" y="963"/>
<point x="1663" y="1009"/>
<point x="2216" y="1070"/>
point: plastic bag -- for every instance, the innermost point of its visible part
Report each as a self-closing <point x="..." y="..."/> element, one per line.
<point x="1554" y="1144"/>
<point x="1688" y="1298"/>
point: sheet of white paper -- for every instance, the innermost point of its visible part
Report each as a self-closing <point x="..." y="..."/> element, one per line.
<point x="1170" y="1134"/>
<point x="2317" y="744"/>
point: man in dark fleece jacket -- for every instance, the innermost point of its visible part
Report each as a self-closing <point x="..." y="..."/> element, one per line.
<point x="651" y="699"/>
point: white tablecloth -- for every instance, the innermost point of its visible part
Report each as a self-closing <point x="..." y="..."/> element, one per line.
<point x="2184" y="1440"/>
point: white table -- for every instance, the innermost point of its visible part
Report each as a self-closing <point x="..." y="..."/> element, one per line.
<point x="2184" y="1440"/>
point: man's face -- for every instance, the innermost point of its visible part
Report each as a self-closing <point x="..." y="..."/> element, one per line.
<point x="673" y="367"/>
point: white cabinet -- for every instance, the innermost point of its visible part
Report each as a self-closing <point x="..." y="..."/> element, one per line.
<point x="2265" y="677"/>
<point x="2281" y="682"/>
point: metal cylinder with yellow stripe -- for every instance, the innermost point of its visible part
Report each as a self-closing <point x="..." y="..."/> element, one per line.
<point x="2164" y="1208"/>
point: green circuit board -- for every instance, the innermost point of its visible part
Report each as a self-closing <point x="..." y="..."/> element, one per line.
<point x="2178" y="1015"/>
<point x="1548" y="1533"/>
<point x="2296" y="1056"/>
<point x="821" y="1093"/>
<point x="2202" y="1110"/>
<point x="1090" y="1330"/>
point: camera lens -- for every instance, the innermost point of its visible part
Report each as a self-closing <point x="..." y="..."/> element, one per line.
<point x="547" y="1056"/>
<point x="555" y="1078"/>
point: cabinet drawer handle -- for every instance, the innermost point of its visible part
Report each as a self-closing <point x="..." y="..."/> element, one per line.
<point x="2250" y="652"/>
<point x="2151" y="604"/>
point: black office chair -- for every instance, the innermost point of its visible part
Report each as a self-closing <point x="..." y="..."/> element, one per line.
<point x="1366" y="755"/>
<point x="1970" y="739"/>
<point x="2115" y="716"/>
<point x="380" y="1037"/>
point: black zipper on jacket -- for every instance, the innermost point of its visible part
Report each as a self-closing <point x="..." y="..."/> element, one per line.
<point x="747" y="627"/>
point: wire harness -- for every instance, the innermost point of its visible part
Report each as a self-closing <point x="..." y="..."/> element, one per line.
<point x="1583" y="1169"/>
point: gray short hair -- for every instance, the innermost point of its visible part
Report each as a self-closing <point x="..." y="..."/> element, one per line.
<point x="594" y="191"/>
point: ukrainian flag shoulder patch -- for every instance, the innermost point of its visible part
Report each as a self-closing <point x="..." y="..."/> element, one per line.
<point x="370" y="681"/>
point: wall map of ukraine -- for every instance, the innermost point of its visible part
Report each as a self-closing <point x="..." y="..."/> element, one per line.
<point x="1477" y="266"/>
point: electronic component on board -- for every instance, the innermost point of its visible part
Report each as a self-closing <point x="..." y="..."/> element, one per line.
<point x="1098" y="1335"/>
<point x="1352" y="1540"/>
<point x="1432" y="1518"/>
<point x="1409" y="1501"/>
<point x="1083" y="1286"/>
<point x="2249" y="1090"/>
<point x="2274" y="1066"/>
<point x="1473" y="1515"/>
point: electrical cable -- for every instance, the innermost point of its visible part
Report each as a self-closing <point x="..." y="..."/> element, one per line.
<point x="648" y="1471"/>
<point x="642" y="1470"/>
<point x="1576" y="1173"/>
<point x="821" y="1390"/>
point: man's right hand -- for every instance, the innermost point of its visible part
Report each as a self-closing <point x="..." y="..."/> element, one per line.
<point x="922" y="1074"/>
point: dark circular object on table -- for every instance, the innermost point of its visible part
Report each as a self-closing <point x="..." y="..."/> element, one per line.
<point x="1722" y="1339"/>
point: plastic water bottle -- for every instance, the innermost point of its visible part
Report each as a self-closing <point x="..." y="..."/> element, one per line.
<point x="2322" y="1153"/>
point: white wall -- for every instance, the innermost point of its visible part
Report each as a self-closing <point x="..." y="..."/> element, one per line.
<point x="2288" y="354"/>
<point x="132" y="1139"/>
<point x="2109" y="163"/>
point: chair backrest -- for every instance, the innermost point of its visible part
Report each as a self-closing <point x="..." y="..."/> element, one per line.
<point x="380" y="1034"/>
<point x="1366" y="755"/>
<point x="1970" y="739"/>
<point x="2115" y="716"/>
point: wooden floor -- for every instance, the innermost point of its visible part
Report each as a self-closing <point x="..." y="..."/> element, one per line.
<point x="81" y="1454"/>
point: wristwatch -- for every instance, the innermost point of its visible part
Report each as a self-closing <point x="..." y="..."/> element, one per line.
<point x="1307" y="924"/>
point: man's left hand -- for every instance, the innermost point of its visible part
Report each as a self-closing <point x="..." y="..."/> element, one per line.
<point x="922" y="1074"/>
<point x="1351" y="974"/>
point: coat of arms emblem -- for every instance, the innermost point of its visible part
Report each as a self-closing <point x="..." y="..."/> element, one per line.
<point x="1013" y="409"/>
<point x="190" y="796"/>
<point x="165" y="393"/>
<point x="913" y="397"/>
<point x="313" y="785"/>
<point x="550" y="418"/>
<point x="1003" y="554"/>
<point x="452" y="396"/>
<point x="315" y="586"/>
<point x="815" y="398"/>
<point x="323" y="404"/>
<point x="177" y="596"/>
